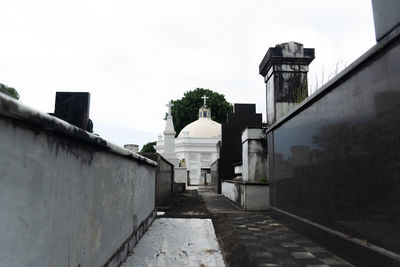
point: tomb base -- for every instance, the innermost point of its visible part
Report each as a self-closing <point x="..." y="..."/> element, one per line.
<point x="251" y="196"/>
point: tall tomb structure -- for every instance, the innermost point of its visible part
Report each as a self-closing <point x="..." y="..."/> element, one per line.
<point x="284" y="69"/>
<point x="168" y="150"/>
<point x="195" y="145"/>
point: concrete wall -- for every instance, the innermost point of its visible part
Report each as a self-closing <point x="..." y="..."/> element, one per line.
<point x="250" y="196"/>
<point x="164" y="181"/>
<point x="180" y="179"/>
<point x="164" y="177"/>
<point x="254" y="155"/>
<point x="231" y="191"/>
<point x="181" y="175"/>
<point x="67" y="198"/>
<point x="254" y="197"/>
<point x="214" y="172"/>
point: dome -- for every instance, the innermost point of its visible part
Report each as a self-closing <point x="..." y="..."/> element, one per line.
<point x="203" y="127"/>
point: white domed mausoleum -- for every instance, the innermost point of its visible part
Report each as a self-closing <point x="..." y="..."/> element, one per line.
<point x="195" y="145"/>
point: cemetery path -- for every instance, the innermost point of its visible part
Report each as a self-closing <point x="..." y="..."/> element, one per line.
<point x="244" y="238"/>
<point x="177" y="242"/>
<point x="187" y="205"/>
<point x="256" y="239"/>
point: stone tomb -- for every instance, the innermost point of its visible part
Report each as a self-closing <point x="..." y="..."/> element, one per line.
<point x="74" y="107"/>
<point x="230" y="150"/>
<point x="252" y="191"/>
<point x="284" y="69"/>
<point x="195" y="145"/>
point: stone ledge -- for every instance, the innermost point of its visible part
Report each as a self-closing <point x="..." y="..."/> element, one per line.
<point x="10" y="108"/>
<point x="246" y="182"/>
<point x="250" y="196"/>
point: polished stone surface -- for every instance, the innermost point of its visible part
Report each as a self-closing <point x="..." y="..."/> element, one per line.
<point x="73" y="107"/>
<point x="386" y="16"/>
<point x="336" y="162"/>
<point x="244" y="116"/>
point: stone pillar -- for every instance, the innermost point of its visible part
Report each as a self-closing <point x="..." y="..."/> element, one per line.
<point x="74" y="108"/>
<point x="254" y="155"/>
<point x="284" y="69"/>
<point x="386" y="16"/>
<point x="169" y="139"/>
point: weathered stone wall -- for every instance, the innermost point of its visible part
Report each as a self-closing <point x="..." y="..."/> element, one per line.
<point x="165" y="180"/>
<point x="67" y="198"/>
<point x="214" y="172"/>
<point x="254" y="155"/>
<point x="164" y="177"/>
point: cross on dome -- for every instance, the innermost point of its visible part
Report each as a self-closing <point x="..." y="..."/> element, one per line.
<point x="169" y="105"/>
<point x="205" y="99"/>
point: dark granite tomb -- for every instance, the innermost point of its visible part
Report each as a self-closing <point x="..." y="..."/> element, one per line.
<point x="243" y="116"/>
<point x="334" y="161"/>
<point x="73" y="107"/>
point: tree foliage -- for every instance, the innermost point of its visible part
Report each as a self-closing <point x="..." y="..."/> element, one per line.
<point x="149" y="147"/>
<point x="9" y="91"/>
<point x="186" y="109"/>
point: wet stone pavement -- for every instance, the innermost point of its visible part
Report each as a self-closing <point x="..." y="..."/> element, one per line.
<point x="251" y="238"/>
<point x="269" y="243"/>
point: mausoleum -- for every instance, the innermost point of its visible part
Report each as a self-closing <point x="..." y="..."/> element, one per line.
<point x="195" y="145"/>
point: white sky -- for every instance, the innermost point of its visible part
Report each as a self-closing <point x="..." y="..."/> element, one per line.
<point x="134" y="56"/>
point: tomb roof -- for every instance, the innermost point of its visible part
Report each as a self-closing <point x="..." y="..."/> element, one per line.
<point x="204" y="126"/>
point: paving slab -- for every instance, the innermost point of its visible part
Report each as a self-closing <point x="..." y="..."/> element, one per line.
<point x="266" y="241"/>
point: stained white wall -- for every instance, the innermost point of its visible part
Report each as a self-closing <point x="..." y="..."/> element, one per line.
<point x="67" y="198"/>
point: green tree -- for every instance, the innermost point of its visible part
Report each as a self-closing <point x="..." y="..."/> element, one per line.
<point x="9" y="91"/>
<point x="186" y="109"/>
<point x="149" y="147"/>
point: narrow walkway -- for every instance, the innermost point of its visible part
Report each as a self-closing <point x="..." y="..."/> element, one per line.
<point x="266" y="241"/>
<point x="244" y="238"/>
<point x="177" y="242"/>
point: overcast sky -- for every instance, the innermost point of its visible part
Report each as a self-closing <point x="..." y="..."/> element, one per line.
<point x="134" y="56"/>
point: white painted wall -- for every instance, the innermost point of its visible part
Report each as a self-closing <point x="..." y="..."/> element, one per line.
<point x="251" y="196"/>
<point x="67" y="198"/>
<point x="254" y="197"/>
<point x="231" y="191"/>
<point x="180" y="175"/>
<point x="254" y="155"/>
<point x="198" y="153"/>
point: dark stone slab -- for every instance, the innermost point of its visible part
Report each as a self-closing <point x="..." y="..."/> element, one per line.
<point x="74" y="108"/>
<point x="335" y="159"/>
<point x="243" y="116"/>
<point x="386" y="16"/>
